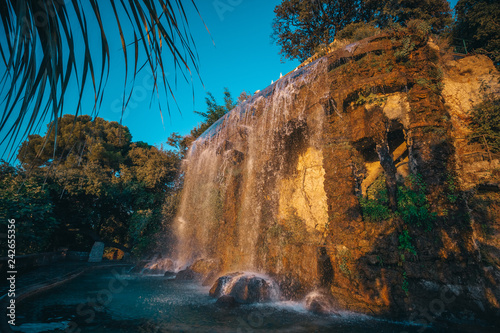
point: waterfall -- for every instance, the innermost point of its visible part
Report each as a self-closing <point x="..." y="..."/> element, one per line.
<point x="233" y="172"/>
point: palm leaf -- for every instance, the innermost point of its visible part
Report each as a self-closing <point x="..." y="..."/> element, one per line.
<point x="33" y="86"/>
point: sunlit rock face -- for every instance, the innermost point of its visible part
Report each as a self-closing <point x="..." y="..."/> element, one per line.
<point x="274" y="185"/>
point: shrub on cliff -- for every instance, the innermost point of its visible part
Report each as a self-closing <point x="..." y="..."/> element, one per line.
<point x="375" y="206"/>
<point x="358" y="31"/>
<point x="485" y="122"/>
<point x="300" y="26"/>
<point x="413" y="206"/>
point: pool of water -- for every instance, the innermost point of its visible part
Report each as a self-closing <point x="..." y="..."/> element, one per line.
<point x="112" y="301"/>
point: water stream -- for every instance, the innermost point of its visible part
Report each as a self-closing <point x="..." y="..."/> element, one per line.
<point x="106" y="302"/>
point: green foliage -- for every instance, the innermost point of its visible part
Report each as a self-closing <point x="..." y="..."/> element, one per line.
<point x="344" y="259"/>
<point x="477" y="24"/>
<point x="413" y="206"/>
<point x="430" y="84"/>
<point x="101" y="184"/>
<point x="215" y="111"/>
<point x="405" y="243"/>
<point x="405" y="285"/>
<point x="404" y="51"/>
<point x="436" y="13"/>
<point x="26" y="200"/>
<point x="451" y="189"/>
<point x="419" y="27"/>
<point x="358" y="31"/>
<point x="485" y="121"/>
<point x="212" y="115"/>
<point x="375" y="206"/>
<point x="300" y="26"/>
<point x="370" y="98"/>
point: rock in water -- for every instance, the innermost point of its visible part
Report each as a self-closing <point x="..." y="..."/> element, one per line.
<point x="170" y="274"/>
<point x="319" y="303"/>
<point x="226" y="301"/>
<point x="219" y="286"/>
<point x="245" y="288"/>
<point x="188" y="274"/>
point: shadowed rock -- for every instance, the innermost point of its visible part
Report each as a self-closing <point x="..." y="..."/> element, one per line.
<point x="226" y="301"/>
<point x="170" y="274"/>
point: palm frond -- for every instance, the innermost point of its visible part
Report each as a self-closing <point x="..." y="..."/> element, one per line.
<point x="35" y="82"/>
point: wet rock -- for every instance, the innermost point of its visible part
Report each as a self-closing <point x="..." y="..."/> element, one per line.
<point x="163" y="265"/>
<point x="206" y="266"/>
<point x="226" y="301"/>
<point x="290" y="287"/>
<point x="188" y="274"/>
<point x="245" y="288"/>
<point x="156" y="267"/>
<point x="170" y="274"/>
<point x="319" y="303"/>
<point x="218" y="287"/>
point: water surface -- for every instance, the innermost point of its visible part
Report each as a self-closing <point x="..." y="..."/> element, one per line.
<point x="107" y="302"/>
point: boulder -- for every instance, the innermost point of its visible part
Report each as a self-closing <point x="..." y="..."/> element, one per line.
<point x="187" y="274"/>
<point x="170" y="274"/>
<point x="217" y="289"/>
<point x="319" y="303"/>
<point x="226" y="301"/>
<point x="245" y="288"/>
<point x="163" y="265"/>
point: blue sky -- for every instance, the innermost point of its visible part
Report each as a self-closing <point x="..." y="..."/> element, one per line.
<point x="243" y="58"/>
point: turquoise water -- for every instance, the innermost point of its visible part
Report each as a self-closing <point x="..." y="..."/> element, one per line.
<point x="108" y="302"/>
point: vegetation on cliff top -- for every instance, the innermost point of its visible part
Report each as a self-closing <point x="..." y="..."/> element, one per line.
<point x="477" y="24"/>
<point x="301" y="26"/>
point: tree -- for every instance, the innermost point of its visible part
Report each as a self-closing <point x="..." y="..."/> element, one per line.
<point x="25" y="200"/>
<point x="35" y="82"/>
<point x="301" y="26"/>
<point x="477" y="23"/>
<point x="436" y="12"/>
<point x="215" y="111"/>
<point x="102" y="185"/>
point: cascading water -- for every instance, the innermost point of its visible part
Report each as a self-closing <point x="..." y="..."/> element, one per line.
<point x="234" y="171"/>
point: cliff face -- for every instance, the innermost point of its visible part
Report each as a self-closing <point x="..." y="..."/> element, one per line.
<point x="276" y="185"/>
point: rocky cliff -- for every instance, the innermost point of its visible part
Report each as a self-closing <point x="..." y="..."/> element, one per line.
<point x="351" y="175"/>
